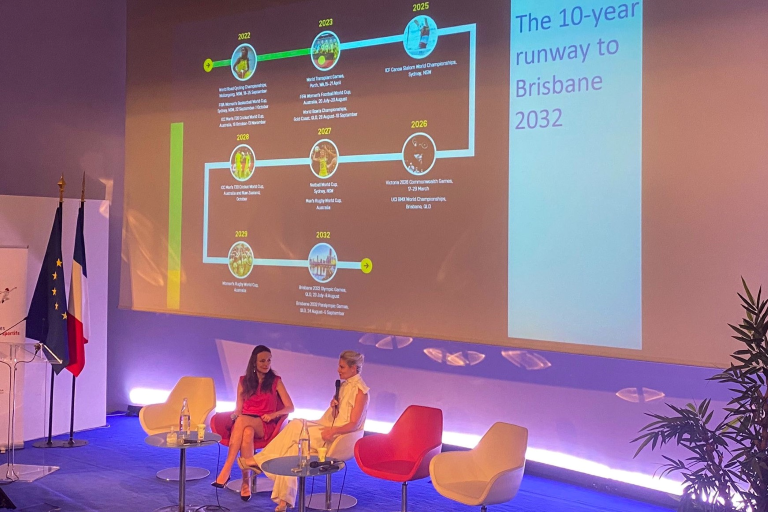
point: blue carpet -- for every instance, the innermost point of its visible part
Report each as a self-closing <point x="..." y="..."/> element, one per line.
<point x="116" y="471"/>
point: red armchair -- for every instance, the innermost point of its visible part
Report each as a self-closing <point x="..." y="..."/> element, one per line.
<point x="404" y="454"/>
<point x="222" y="423"/>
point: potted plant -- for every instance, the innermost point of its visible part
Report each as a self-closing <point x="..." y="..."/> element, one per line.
<point x="728" y="466"/>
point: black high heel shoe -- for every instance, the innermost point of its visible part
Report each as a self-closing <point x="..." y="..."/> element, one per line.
<point x="247" y="497"/>
<point x="220" y="486"/>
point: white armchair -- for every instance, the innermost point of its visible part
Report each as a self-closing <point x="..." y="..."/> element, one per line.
<point x="200" y="393"/>
<point x="487" y="475"/>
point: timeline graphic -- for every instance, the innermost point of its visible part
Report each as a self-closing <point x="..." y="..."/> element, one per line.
<point x="482" y="156"/>
<point x="328" y="157"/>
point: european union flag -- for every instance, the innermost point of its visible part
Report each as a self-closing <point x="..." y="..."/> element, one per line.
<point x="47" y="317"/>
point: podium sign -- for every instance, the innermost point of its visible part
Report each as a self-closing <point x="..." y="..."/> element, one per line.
<point x="13" y="292"/>
<point x="13" y="308"/>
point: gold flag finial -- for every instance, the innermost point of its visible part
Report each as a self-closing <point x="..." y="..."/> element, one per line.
<point x="62" y="184"/>
<point x="82" y="193"/>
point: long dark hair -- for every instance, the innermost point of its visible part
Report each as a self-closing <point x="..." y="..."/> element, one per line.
<point x="251" y="380"/>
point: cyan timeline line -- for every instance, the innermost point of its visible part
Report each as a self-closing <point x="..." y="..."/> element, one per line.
<point x="354" y="265"/>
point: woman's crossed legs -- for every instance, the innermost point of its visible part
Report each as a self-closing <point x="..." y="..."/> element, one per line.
<point x="245" y="429"/>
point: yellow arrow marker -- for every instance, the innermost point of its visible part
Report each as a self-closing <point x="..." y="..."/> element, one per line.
<point x="366" y="266"/>
<point x="208" y="65"/>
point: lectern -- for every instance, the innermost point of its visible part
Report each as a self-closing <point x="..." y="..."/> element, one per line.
<point x="13" y="355"/>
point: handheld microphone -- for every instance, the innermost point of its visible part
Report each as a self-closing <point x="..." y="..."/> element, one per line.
<point x="336" y="396"/>
<point x="324" y="464"/>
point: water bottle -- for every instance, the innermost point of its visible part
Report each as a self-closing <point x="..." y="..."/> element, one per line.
<point x="304" y="445"/>
<point x="185" y="420"/>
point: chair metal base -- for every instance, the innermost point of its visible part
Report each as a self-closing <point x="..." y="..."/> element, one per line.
<point x="260" y="484"/>
<point x="172" y="475"/>
<point x="319" y="501"/>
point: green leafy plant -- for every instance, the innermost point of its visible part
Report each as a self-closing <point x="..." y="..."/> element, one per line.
<point x="728" y="464"/>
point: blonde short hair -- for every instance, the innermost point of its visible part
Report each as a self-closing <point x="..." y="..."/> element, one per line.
<point x="353" y="358"/>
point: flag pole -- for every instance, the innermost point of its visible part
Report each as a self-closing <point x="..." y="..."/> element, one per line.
<point x="74" y="378"/>
<point x="48" y="443"/>
<point x="61" y="184"/>
<point x="72" y="442"/>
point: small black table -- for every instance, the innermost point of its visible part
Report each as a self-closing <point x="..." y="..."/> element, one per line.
<point x="287" y="466"/>
<point x="158" y="440"/>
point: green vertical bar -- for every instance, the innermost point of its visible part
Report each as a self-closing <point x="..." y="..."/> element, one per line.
<point x="174" y="216"/>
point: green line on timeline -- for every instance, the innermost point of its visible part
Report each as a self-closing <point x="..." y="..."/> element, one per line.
<point x="283" y="55"/>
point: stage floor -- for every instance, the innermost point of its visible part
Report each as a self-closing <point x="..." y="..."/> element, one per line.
<point x="116" y="471"/>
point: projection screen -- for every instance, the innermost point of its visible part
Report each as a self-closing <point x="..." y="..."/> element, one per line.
<point x="559" y="175"/>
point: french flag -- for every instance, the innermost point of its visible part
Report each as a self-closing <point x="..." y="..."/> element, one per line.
<point x="77" y="314"/>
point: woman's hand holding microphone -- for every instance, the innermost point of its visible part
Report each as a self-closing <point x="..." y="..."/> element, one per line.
<point x="334" y="407"/>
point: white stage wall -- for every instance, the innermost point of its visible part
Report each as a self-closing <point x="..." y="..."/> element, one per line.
<point x="27" y="221"/>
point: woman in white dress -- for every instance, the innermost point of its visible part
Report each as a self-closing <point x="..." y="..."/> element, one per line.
<point x="346" y="415"/>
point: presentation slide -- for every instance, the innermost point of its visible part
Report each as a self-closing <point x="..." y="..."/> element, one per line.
<point x="567" y="175"/>
<point x="410" y="168"/>
<point x="575" y="181"/>
<point x="345" y="167"/>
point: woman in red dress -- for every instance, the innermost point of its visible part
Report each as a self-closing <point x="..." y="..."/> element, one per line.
<point x="256" y="413"/>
